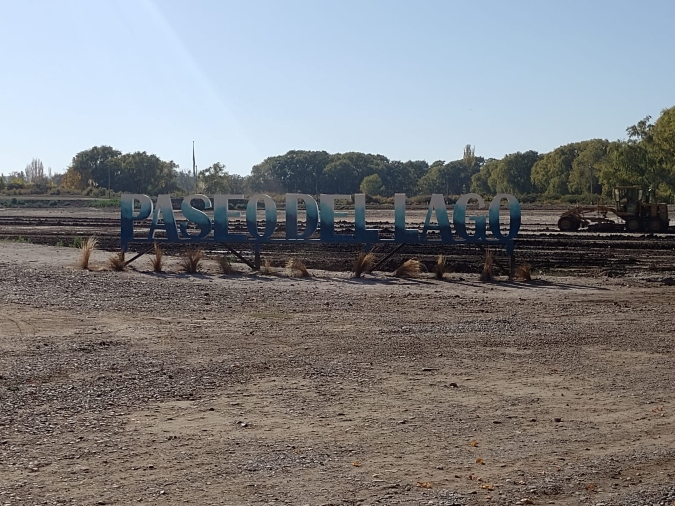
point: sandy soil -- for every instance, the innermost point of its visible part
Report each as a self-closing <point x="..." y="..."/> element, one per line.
<point x="133" y="387"/>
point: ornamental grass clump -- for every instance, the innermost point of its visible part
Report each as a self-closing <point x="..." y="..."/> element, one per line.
<point x="296" y="267"/>
<point x="117" y="262"/>
<point x="363" y="264"/>
<point x="225" y="265"/>
<point x="440" y="267"/>
<point x="409" y="269"/>
<point x="86" y="249"/>
<point x="524" y="272"/>
<point x="191" y="261"/>
<point x="266" y="267"/>
<point x="157" y="260"/>
<point x="487" y="276"/>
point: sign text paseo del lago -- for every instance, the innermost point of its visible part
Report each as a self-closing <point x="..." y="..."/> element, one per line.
<point x="197" y="226"/>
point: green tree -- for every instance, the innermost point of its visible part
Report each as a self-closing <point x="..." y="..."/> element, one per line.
<point x="663" y="137"/>
<point x="17" y="181"/>
<point x="304" y="169"/>
<point x="316" y="172"/>
<point x="401" y="177"/>
<point x="340" y="176"/>
<point x="458" y="174"/>
<point x="238" y="184"/>
<point x="480" y="181"/>
<point x="551" y="173"/>
<point x="513" y="173"/>
<point x="372" y="185"/>
<point x="93" y="167"/>
<point x="640" y="152"/>
<point x="452" y="178"/>
<point x="214" y="179"/>
<point x="364" y="164"/>
<point x="140" y="172"/>
<point x="296" y="171"/>
<point x="627" y="166"/>
<point x="264" y="177"/>
<point x="434" y="181"/>
<point x="186" y="181"/>
<point x="469" y="158"/>
<point x="592" y="158"/>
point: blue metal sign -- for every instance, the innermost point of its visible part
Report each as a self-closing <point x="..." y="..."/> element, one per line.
<point x="137" y="208"/>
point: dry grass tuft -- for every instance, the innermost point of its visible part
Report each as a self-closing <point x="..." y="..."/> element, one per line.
<point x="409" y="269"/>
<point x="488" y="275"/>
<point x="191" y="260"/>
<point x="158" y="260"/>
<point x="297" y="268"/>
<point x="87" y="248"/>
<point x="363" y="264"/>
<point x="117" y="262"/>
<point x="440" y="267"/>
<point x="226" y="266"/>
<point x="266" y="267"/>
<point x="524" y="272"/>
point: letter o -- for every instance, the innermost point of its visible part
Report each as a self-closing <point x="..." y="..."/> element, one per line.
<point x="252" y="216"/>
<point x="514" y="216"/>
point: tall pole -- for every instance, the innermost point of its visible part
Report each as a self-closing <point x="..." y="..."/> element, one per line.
<point x="590" y="171"/>
<point x="194" y="166"/>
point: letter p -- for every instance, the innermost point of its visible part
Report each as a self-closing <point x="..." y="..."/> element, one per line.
<point x="127" y="203"/>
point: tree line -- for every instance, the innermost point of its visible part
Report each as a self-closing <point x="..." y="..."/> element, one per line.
<point x="592" y="167"/>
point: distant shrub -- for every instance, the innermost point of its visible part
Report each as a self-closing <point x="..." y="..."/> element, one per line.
<point x="529" y="198"/>
<point x="580" y="199"/>
<point x="379" y="200"/>
<point x="103" y="203"/>
<point x="420" y="199"/>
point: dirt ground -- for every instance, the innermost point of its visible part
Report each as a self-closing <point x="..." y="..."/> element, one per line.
<point x="134" y="387"/>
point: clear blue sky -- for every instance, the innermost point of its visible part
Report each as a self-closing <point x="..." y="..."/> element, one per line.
<point x="250" y="79"/>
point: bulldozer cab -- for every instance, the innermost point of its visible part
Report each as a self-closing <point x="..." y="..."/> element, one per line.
<point x="628" y="199"/>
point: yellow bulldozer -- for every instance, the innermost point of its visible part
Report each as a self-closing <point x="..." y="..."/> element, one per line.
<point x="637" y="214"/>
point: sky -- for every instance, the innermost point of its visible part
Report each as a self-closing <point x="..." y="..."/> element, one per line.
<point x="245" y="80"/>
